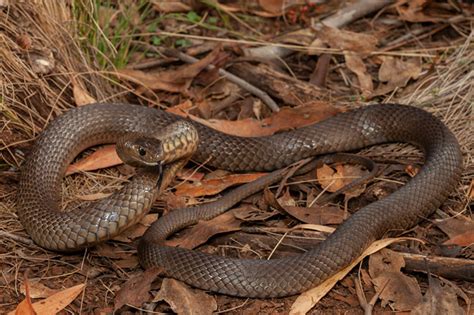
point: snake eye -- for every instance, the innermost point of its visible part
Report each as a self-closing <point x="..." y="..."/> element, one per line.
<point x="141" y="151"/>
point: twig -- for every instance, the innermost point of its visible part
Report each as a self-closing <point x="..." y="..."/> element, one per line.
<point x="229" y="76"/>
<point x="17" y="238"/>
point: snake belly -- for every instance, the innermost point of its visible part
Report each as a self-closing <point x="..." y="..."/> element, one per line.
<point x="39" y="192"/>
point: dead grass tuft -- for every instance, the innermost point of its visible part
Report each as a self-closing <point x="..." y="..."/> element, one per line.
<point x="41" y="60"/>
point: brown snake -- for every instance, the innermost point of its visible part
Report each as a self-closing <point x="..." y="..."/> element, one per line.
<point x="80" y="128"/>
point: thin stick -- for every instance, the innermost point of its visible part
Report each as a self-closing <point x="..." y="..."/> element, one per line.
<point x="229" y="76"/>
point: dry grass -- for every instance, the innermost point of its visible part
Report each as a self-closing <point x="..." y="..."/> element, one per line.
<point x="29" y="99"/>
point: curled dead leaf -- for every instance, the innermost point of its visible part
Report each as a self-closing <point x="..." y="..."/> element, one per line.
<point x="397" y="72"/>
<point x="136" y="290"/>
<point x="400" y="291"/>
<point x="104" y="157"/>
<point x="204" y="230"/>
<point x="81" y="97"/>
<point x="56" y="302"/>
<point x="359" y="43"/>
<point x="333" y="179"/>
<point x="355" y="64"/>
<point x="185" y="300"/>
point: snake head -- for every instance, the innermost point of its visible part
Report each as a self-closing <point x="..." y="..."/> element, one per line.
<point x="140" y="150"/>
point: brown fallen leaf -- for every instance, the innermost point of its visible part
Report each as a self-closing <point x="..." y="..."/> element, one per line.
<point x="185" y="300"/>
<point x="204" y="230"/>
<point x="439" y="300"/>
<point x="359" y="43"/>
<point x="136" y="290"/>
<point x="412" y="11"/>
<point x="250" y="213"/>
<point x="317" y="215"/>
<point x="309" y="215"/>
<point x="37" y="290"/>
<point x="208" y="187"/>
<point x="25" y="307"/>
<point x="463" y="239"/>
<point x="355" y="64"/>
<point x="333" y="179"/>
<point x="56" y="302"/>
<point x="101" y="158"/>
<point x="400" y="291"/>
<point x="81" y="97"/>
<point x="307" y="300"/>
<point x="397" y="72"/>
<point x="287" y="118"/>
<point x="460" y="230"/>
<point x="177" y="80"/>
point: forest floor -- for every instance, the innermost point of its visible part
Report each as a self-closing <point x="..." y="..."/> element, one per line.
<point x="291" y="71"/>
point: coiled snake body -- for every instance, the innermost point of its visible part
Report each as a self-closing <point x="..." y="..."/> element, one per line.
<point x="69" y="134"/>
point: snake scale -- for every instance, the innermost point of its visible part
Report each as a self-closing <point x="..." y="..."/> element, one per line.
<point x="39" y="192"/>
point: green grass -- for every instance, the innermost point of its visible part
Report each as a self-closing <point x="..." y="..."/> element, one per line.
<point x="104" y="29"/>
<point x="107" y="30"/>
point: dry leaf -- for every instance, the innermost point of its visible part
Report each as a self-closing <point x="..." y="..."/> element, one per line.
<point x="307" y="300"/>
<point x="37" y="290"/>
<point x="397" y="73"/>
<point x="439" y="300"/>
<point x="400" y="291"/>
<point x="184" y="300"/>
<point x="136" y="290"/>
<point x="460" y="230"/>
<point x="204" y="230"/>
<point x="81" y="97"/>
<point x="177" y="80"/>
<point x="359" y="43"/>
<point x="250" y="213"/>
<point x="25" y="307"/>
<point x="463" y="239"/>
<point x="101" y="158"/>
<point x="287" y="118"/>
<point x="342" y="175"/>
<point x="169" y="6"/>
<point x="317" y="215"/>
<point x="412" y="11"/>
<point x="109" y="251"/>
<point x="208" y="187"/>
<point x="355" y="64"/>
<point x="309" y="215"/>
<point x="56" y="302"/>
